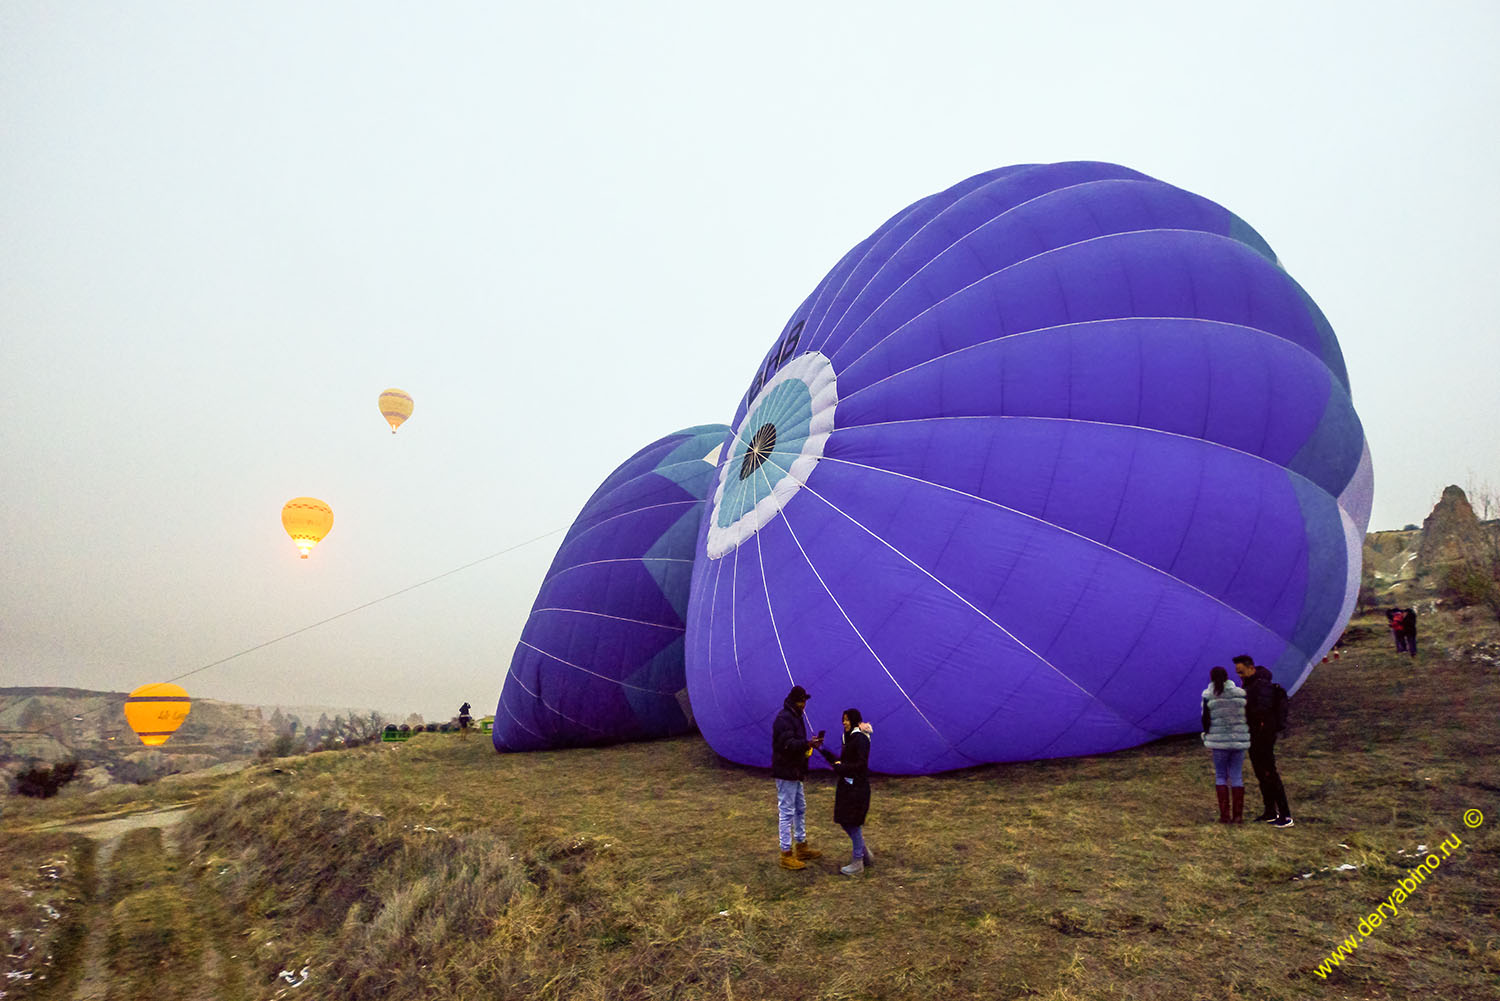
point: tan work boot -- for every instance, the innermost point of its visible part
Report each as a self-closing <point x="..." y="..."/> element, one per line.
<point x="790" y="861"/>
<point x="805" y="852"/>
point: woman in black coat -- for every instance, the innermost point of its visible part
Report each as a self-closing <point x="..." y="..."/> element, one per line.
<point x="851" y="801"/>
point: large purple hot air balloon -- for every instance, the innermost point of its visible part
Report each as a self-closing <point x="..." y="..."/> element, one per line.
<point x="1030" y="459"/>
<point x="600" y="658"/>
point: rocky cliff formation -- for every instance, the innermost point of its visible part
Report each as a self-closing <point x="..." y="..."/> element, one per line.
<point x="1451" y="533"/>
<point x="1404" y="566"/>
<point x="48" y="725"/>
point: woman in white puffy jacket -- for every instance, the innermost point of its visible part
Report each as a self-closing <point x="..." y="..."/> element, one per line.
<point x="1226" y="733"/>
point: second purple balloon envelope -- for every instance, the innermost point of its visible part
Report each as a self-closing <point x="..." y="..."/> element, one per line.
<point x="600" y="657"/>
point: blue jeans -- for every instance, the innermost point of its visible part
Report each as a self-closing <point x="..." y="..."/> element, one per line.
<point x="1228" y="764"/>
<point x="857" y="837"/>
<point x="791" y="808"/>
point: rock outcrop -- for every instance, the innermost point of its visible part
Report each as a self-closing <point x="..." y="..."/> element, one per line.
<point x="1391" y="561"/>
<point x="1403" y="567"/>
<point x="1452" y="533"/>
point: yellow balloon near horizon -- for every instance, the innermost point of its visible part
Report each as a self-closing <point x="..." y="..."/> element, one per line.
<point x="155" y="712"/>
<point x="306" y="520"/>
<point x="395" y="406"/>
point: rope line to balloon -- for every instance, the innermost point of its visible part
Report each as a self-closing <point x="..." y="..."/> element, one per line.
<point x="297" y="632"/>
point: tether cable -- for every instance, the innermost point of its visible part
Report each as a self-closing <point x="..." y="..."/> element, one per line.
<point x="303" y="629"/>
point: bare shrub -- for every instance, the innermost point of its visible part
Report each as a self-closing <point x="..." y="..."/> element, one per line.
<point x="43" y="781"/>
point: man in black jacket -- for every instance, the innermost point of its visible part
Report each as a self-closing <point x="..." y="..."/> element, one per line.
<point x="1260" y="714"/>
<point x="790" y="749"/>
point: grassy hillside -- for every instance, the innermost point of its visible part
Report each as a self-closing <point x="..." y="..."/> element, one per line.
<point x="436" y="869"/>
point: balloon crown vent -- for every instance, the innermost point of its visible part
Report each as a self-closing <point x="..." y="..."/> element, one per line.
<point x="761" y="447"/>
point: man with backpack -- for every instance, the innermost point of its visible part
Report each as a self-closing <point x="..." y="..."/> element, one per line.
<point x="1265" y="712"/>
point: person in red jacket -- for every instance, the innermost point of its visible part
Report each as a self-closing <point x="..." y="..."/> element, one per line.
<point x="1397" y="619"/>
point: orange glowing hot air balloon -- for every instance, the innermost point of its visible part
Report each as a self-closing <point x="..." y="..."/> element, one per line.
<point x="155" y="712"/>
<point x="306" y="520"/>
<point x="395" y="406"/>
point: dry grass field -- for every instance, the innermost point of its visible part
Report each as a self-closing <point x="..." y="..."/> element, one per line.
<point x="436" y="869"/>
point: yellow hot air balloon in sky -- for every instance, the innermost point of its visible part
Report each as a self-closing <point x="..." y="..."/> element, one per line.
<point x="306" y="520"/>
<point x="155" y="712"/>
<point x="395" y="406"/>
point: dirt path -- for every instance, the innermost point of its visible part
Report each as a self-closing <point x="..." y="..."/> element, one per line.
<point x="93" y="985"/>
<point x="109" y="832"/>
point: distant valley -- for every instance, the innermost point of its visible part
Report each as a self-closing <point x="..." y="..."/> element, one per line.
<point x="45" y="726"/>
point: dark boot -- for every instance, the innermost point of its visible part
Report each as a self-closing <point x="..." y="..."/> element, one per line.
<point x="1237" y="804"/>
<point x="804" y="852"/>
<point x="1223" y="793"/>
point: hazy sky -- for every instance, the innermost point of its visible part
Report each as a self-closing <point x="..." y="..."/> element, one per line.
<point x="569" y="229"/>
